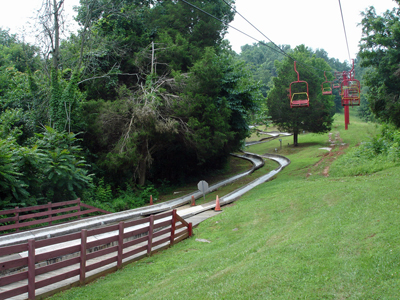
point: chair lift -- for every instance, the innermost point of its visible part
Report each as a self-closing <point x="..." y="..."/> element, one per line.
<point x="326" y="87"/>
<point x="298" y="92"/>
<point x="336" y="82"/>
<point x="350" y="89"/>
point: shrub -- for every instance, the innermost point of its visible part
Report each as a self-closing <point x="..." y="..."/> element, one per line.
<point x="380" y="153"/>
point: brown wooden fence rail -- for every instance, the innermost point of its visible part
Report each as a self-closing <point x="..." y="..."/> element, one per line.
<point x="48" y="213"/>
<point x="83" y="256"/>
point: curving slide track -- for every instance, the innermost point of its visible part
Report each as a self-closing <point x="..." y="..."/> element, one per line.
<point x="257" y="160"/>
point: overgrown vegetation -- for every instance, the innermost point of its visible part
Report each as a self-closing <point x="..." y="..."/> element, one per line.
<point x="380" y="153"/>
<point x="151" y="97"/>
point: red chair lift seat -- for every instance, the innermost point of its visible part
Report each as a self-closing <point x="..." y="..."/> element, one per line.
<point x="298" y="92"/>
<point x="326" y="87"/>
<point x="350" y="92"/>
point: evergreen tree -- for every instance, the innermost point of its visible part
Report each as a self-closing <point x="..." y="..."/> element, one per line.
<point x="318" y="117"/>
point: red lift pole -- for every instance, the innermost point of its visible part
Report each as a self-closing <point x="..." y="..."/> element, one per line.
<point x="346" y="117"/>
<point x="345" y="93"/>
<point x="346" y="106"/>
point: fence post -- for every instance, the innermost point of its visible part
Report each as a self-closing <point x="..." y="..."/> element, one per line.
<point x="121" y="226"/>
<point x="82" y="274"/>
<point x="150" y="241"/>
<point x="173" y="226"/>
<point x="31" y="269"/>
<point x="79" y="207"/>
<point x="17" y="215"/>
<point x="190" y="229"/>
<point x="50" y="214"/>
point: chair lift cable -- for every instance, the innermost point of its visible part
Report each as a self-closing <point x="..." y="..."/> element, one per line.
<point x="345" y="34"/>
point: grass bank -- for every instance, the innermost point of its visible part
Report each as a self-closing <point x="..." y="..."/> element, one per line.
<point x="304" y="235"/>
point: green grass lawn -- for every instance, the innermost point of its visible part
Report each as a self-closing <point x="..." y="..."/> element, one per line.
<point x="304" y="235"/>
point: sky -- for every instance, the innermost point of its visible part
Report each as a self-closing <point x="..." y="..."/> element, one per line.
<point x="17" y="15"/>
<point x="314" y="23"/>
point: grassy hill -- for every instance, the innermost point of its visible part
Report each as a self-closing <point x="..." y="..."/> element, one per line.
<point x="311" y="233"/>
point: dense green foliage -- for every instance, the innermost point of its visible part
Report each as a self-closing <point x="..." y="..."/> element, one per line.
<point x="261" y="59"/>
<point x="190" y="102"/>
<point x="379" y="49"/>
<point x="152" y="86"/>
<point x="47" y="167"/>
<point x="198" y="117"/>
<point x="315" y="118"/>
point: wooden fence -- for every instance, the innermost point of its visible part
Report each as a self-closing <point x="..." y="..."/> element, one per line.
<point x="83" y="256"/>
<point x="47" y="213"/>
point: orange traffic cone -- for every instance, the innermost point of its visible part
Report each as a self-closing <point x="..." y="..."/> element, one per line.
<point x="193" y="202"/>
<point x="151" y="199"/>
<point x="217" y="207"/>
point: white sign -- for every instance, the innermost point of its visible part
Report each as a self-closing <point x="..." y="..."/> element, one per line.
<point x="203" y="187"/>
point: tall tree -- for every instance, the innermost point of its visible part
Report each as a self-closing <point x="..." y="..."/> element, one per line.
<point x="380" y="49"/>
<point x="318" y="117"/>
<point x="122" y="32"/>
<point x="261" y="59"/>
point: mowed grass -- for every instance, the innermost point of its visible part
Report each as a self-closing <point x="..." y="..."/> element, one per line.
<point x="298" y="236"/>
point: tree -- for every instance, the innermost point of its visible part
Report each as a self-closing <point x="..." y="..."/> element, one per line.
<point x="380" y="50"/>
<point x="48" y="167"/>
<point x="318" y="117"/>
<point x="122" y="32"/>
<point x="121" y="60"/>
<point x="261" y="59"/>
<point x="194" y="119"/>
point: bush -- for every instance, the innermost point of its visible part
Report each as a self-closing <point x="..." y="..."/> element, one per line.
<point x="380" y="153"/>
<point x="101" y="196"/>
<point x="50" y="167"/>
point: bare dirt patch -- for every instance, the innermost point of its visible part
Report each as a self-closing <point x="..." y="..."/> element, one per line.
<point x="323" y="165"/>
<point x="326" y="171"/>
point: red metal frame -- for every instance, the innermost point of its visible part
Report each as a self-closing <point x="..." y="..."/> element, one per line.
<point x="336" y="81"/>
<point x="350" y="89"/>
<point x="350" y="92"/>
<point x="304" y="100"/>
<point x="326" y="86"/>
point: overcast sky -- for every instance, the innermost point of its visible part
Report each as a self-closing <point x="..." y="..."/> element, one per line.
<point x="315" y="23"/>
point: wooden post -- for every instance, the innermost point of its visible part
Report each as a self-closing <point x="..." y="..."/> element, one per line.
<point x="79" y="207"/>
<point x="31" y="269"/>
<point x="82" y="275"/>
<point x="120" y="243"/>
<point x="190" y="229"/>
<point x="17" y="215"/>
<point x="50" y="214"/>
<point x="150" y="241"/>
<point x="173" y="226"/>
